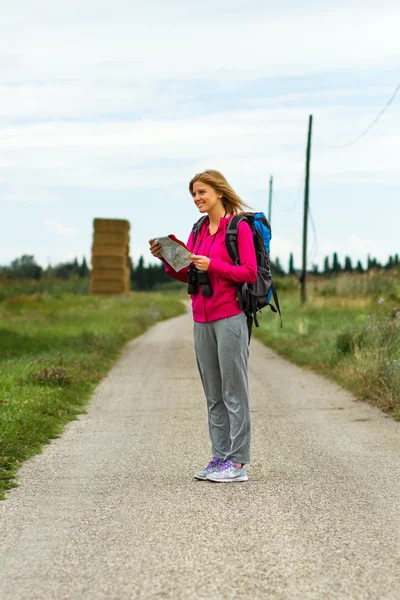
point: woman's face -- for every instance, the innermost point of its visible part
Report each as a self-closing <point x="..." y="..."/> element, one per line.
<point x="205" y="197"/>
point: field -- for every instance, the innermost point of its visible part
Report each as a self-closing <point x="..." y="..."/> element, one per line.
<point x="348" y="331"/>
<point x="54" y="349"/>
<point x="73" y="285"/>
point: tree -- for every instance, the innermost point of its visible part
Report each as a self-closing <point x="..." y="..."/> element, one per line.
<point x="83" y="269"/>
<point x="336" y="267"/>
<point x="291" y="270"/>
<point x="327" y="268"/>
<point x="389" y="264"/>
<point x="276" y="268"/>
<point x="373" y="263"/>
<point x="348" y="267"/>
<point x="67" y="269"/>
<point x="140" y="276"/>
<point x="25" y="267"/>
<point x="359" y="267"/>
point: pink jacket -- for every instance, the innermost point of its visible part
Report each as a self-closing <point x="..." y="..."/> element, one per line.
<point x="224" y="275"/>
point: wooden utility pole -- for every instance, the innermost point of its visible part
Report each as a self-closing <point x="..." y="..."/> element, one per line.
<point x="270" y="199"/>
<point x="303" y="296"/>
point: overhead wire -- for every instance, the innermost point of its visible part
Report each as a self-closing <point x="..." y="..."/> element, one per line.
<point x="314" y="248"/>
<point x="360" y="136"/>
<point x="298" y="196"/>
<point x="363" y="133"/>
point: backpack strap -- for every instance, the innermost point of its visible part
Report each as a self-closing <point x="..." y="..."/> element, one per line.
<point x="249" y="319"/>
<point x="232" y="237"/>
<point x="275" y="297"/>
<point x="197" y="227"/>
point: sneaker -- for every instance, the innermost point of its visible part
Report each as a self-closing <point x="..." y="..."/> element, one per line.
<point x="210" y="468"/>
<point x="228" y="471"/>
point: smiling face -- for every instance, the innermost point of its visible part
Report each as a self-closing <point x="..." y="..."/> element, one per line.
<point x="205" y="197"/>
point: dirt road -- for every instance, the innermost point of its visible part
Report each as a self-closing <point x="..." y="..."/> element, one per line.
<point x="111" y="510"/>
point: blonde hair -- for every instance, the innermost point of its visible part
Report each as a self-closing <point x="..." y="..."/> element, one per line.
<point x="231" y="201"/>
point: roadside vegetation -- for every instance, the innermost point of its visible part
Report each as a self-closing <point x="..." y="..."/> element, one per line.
<point x="348" y="330"/>
<point x="54" y="349"/>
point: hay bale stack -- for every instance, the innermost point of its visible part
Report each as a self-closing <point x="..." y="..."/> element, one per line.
<point x="119" y="238"/>
<point x="111" y="225"/>
<point x="112" y="262"/>
<point x="110" y="257"/>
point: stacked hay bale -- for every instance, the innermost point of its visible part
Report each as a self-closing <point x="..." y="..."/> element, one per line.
<point x="110" y="257"/>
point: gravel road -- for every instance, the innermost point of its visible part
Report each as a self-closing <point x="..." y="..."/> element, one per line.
<point x="111" y="510"/>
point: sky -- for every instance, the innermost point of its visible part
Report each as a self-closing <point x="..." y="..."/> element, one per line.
<point x="108" y="109"/>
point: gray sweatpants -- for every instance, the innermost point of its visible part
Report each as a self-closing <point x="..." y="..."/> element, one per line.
<point x="222" y="353"/>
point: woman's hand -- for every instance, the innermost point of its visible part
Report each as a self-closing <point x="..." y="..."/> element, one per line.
<point x="201" y="262"/>
<point x="155" y="248"/>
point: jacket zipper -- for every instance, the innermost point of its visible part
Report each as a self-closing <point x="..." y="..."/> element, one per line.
<point x="208" y="255"/>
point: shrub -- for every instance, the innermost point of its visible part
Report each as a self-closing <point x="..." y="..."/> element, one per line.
<point x="51" y="376"/>
<point x="377" y="365"/>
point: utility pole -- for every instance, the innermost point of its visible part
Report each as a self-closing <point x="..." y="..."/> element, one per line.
<point x="305" y="219"/>
<point x="270" y="199"/>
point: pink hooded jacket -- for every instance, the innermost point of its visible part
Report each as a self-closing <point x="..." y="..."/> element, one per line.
<point x="224" y="275"/>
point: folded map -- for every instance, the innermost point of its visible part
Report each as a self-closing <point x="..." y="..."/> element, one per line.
<point x="174" y="252"/>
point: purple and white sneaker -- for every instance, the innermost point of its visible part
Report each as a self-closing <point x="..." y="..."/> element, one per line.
<point x="227" y="472"/>
<point x="210" y="468"/>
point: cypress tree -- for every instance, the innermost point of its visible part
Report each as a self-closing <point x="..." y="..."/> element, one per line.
<point x="336" y="268"/>
<point x="291" y="270"/>
<point x="83" y="269"/>
<point x="348" y="267"/>
<point x="359" y="267"/>
<point x="141" y="279"/>
<point x="389" y="264"/>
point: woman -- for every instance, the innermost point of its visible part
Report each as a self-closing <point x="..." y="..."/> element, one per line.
<point x="220" y="327"/>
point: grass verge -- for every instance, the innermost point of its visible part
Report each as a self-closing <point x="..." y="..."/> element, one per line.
<point x="354" y="341"/>
<point x="53" y="352"/>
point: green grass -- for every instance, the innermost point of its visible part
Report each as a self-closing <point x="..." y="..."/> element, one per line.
<point x="54" y="349"/>
<point x="10" y="288"/>
<point x="354" y="341"/>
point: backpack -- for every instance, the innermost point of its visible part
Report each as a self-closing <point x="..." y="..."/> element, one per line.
<point x="252" y="297"/>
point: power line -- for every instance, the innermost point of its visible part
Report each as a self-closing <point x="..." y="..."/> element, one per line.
<point x="315" y="241"/>
<point x="384" y="109"/>
<point x="298" y="196"/>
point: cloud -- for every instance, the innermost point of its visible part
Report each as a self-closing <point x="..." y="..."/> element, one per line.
<point x="163" y="153"/>
<point x="28" y="195"/>
<point x="358" y="246"/>
<point x="143" y="94"/>
<point x="157" y="42"/>
<point x="67" y="231"/>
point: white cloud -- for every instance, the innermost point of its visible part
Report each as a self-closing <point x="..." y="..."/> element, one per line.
<point x="359" y="243"/>
<point x="117" y="41"/>
<point x="29" y="195"/>
<point x="159" y="153"/>
<point x="68" y="231"/>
